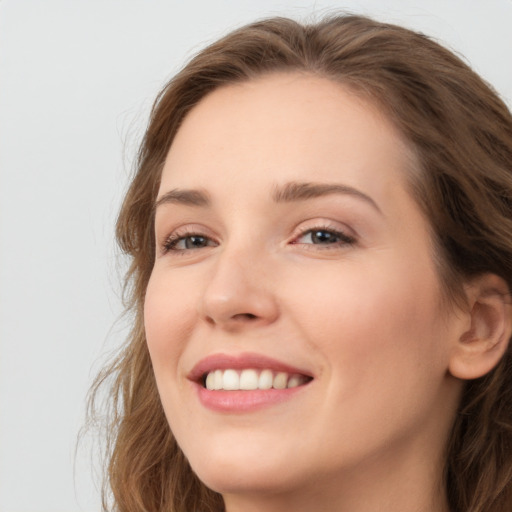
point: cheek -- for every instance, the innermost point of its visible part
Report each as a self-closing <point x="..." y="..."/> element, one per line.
<point x="372" y="319"/>
<point x="168" y="316"/>
<point x="383" y="345"/>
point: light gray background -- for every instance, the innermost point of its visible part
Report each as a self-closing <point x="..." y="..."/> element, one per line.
<point x="77" y="78"/>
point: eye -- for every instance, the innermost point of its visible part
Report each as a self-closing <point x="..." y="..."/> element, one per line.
<point x="324" y="237"/>
<point x="187" y="241"/>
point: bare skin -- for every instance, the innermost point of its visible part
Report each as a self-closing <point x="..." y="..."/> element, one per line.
<point x="338" y="283"/>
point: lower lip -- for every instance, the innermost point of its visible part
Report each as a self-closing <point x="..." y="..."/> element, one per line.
<point x="244" y="401"/>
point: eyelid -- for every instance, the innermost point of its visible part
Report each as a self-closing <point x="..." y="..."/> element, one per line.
<point x="346" y="236"/>
<point x="322" y="224"/>
<point x="181" y="232"/>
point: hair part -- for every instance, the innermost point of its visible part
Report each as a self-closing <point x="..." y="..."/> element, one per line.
<point x="461" y="135"/>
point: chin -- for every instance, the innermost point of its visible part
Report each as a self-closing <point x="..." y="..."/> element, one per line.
<point x="226" y="479"/>
<point x="243" y="472"/>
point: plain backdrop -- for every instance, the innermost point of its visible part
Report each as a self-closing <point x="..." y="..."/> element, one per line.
<point x="77" y="79"/>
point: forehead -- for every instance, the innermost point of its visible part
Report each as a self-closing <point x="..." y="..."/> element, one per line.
<point x="284" y="127"/>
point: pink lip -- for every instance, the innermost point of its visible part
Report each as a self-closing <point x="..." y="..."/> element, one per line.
<point x="242" y="401"/>
<point x="239" y="362"/>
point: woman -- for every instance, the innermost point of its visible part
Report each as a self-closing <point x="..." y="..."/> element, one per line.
<point x="319" y="231"/>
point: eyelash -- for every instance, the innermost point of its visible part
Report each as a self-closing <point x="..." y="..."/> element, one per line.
<point x="342" y="239"/>
<point x="172" y="241"/>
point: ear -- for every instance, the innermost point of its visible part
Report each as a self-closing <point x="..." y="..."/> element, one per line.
<point x="480" y="348"/>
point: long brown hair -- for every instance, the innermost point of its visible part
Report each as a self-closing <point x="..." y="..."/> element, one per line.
<point x="461" y="133"/>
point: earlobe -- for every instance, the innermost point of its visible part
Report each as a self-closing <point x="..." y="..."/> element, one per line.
<point x="480" y="348"/>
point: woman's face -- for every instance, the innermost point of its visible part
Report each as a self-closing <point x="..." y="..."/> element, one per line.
<point x="290" y="253"/>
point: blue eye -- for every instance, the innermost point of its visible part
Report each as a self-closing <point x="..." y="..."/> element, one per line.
<point x="187" y="242"/>
<point x="323" y="237"/>
<point x="326" y="237"/>
<point x="320" y="237"/>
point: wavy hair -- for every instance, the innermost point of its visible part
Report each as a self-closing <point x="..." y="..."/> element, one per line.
<point x="461" y="133"/>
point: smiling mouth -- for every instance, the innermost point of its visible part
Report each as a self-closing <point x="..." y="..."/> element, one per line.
<point x="251" y="379"/>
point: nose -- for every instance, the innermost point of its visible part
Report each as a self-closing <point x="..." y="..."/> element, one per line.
<point x="239" y="293"/>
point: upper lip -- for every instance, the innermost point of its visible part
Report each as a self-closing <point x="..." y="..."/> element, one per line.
<point x="239" y="362"/>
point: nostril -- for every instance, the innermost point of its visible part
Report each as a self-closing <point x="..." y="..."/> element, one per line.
<point x="241" y="317"/>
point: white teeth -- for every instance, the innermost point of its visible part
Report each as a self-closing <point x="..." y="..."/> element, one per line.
<point x="210" y="381"/>
<point x="218" y="379"/>
<point x="280" y="381"/>
<point x="230" y="380"/>
<point x="266" y="379"/>
<point x="250" y="379"/>
<point x="294" y="381"/>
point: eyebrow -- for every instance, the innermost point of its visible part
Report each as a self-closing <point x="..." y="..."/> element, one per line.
<point x="188" y="197"/>
<point x="288" y="193"/>
<point x="299" y="191"/>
